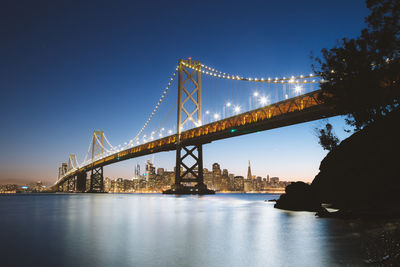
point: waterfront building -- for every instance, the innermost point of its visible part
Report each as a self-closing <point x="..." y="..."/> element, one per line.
<point x="208" y="179"/>
<point x="238" y="183"/>
<point x="248" y="185"/>
<point x="107" y="184"/>
<point x="217" y="177"/>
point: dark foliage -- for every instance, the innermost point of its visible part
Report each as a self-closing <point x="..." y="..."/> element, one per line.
<point x="327" y="139"/>
<point x="363" y="74"/>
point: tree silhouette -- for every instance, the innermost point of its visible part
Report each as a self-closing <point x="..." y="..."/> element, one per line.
<point x="327" y="139"/>
<point x="363" y="74"/>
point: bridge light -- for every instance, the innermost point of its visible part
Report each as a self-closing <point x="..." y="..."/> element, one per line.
<point x="297" y="88"/>
<point x="233" y="130"/>
<point x="263" y="100"/>
<point x="170" y="131"/>
<point x="228" y="104"/>
<point x="255" y="94"/>
<point x="118" y="158"/>
<point x="237" y="109"/>
<point x="216" y="116"/>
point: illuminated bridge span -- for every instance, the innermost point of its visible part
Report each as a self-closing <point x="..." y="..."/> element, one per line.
<point x="293" y="104"/>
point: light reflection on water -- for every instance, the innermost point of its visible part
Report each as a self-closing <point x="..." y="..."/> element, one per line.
<point x="158" y="230"/>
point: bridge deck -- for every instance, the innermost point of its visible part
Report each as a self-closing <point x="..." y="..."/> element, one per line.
<point x="295" y="110"/>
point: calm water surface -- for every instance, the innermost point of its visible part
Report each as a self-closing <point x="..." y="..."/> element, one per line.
<point x="158" y="230"/>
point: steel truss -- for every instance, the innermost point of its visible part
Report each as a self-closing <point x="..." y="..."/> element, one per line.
<point x="96" y="180"/>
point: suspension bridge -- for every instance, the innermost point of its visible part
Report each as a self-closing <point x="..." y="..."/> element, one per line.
<point x="209" y="108"/>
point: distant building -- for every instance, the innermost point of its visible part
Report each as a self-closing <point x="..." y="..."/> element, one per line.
<point x="208" y="178"/>
<point x="107" y="184"/>
<point x="160" y="171"/>
<point x="238" y="183"/>
<point x="217" y="177"/>
<point x="137" y="171"/>
<point x="150" y="170"/>
<point x="249" y="176"/>
<point x="274" y="180"/>
<point x="248" y="185"/>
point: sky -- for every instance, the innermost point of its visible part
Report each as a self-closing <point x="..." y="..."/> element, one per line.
<point x="70" y="67"/>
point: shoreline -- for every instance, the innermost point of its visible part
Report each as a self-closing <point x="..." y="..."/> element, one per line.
<point x="144" y="192"/>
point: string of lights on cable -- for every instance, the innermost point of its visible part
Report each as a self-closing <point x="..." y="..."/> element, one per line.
<point x="293" y="79"/>
<point x="156" y="108"/>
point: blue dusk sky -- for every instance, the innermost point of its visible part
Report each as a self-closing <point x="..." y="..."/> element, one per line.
<point x="70" y="67"/>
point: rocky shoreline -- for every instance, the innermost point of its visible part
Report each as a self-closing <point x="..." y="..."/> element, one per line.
<point x="352" y="176"/>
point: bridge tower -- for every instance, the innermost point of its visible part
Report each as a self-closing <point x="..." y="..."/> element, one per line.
<point x="72" y="162"/>
<point x="96" y="176"/>
<point x="189" y="157"/>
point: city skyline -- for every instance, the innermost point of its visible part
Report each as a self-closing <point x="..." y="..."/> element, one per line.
<point x="153" y="179"/>
<point x="74" y="82"/>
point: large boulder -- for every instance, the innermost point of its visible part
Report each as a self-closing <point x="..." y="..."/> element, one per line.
<point x="299" y="197"/>
<point x="363" y="172"/>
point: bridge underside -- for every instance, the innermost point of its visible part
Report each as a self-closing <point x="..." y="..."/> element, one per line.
<point x="301" y="109"/>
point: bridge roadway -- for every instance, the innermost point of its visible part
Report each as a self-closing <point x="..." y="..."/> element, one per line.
<point x="303" y="108"/>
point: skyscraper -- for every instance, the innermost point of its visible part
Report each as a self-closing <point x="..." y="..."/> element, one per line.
<point x="150" y="170"/>
<point x="137" y="171"/>
<point x="249" y="172"/>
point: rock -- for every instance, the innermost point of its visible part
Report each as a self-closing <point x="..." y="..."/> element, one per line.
<point x="362" y="174"/>
<point x="299" y="197"/>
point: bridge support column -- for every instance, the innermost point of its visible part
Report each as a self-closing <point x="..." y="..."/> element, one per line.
<point x="81" y="182"/>
<point x="190" y="181"/>
<point x="96" y="181"/>
<point x="189" y="177"/>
